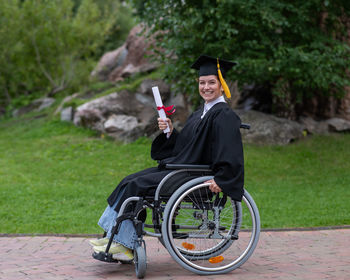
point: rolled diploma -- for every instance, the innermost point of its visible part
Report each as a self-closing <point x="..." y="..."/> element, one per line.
<point x="159" y="103"/>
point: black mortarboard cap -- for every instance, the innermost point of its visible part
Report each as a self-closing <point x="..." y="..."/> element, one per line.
<point x="207" y="65"/>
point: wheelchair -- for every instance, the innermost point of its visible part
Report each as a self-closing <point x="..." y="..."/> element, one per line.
<point x="204" y="232"/>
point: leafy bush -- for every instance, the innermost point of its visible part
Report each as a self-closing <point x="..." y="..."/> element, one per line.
<point x="47" y="46"/>
<point x="295" y="49"/>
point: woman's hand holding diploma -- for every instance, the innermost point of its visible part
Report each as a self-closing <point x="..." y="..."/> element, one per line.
<point x="164" y="124"/>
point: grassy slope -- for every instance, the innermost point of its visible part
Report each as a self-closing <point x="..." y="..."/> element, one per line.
<point x="54" y="178"/>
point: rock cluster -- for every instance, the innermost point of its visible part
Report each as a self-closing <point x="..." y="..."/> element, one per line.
<point x="126" y="115"/>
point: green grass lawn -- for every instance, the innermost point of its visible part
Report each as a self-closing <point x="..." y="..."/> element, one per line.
<point x="55" y="178"/>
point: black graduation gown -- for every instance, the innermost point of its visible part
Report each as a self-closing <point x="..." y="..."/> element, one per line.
<point x="214" y="140"/>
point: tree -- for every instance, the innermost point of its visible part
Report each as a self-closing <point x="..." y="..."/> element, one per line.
<point x="47" y="46"/>
<point x="293" y="49"/>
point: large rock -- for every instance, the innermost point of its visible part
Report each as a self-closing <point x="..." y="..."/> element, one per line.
<point x="114" y="103"/>
<point x="325" y="126"/>
<point x="90" y="118"/>
<point x="110" y="61"/>
<point x="268" y="129"/>
<point x="123" y="127"/>
<point x="314" y="127"/>
<point x="67" y="114"/>
<point x="120" y="122"/>
<point x="122" y="115"/>
<point x="129" y="59"/>
<point x="338" y="125"/>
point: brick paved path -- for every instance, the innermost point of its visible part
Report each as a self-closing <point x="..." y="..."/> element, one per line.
<point x="303" y="255"/>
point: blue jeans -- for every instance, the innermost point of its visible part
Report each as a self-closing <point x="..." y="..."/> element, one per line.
<point x="126" y="235"/>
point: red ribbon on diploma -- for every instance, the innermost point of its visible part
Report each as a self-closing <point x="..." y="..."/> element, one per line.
<point x="168" y="110"/>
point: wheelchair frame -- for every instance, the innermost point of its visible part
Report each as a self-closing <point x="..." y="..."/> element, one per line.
<point x="219" y="234"/>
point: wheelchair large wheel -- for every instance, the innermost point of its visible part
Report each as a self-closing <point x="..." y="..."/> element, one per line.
<point x="208" y="233"/>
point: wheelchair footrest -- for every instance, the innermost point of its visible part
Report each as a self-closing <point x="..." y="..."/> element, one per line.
<point x="104" y="257"/>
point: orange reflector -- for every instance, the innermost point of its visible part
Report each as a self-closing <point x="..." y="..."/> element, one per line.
<point x="216" y="259"/>
<point x="188" y="246"/>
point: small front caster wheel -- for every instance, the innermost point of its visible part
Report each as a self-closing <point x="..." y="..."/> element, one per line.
<point x="140" y="261"/>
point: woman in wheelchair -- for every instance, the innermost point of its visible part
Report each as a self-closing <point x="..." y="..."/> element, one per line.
<point x="211" y="136"/>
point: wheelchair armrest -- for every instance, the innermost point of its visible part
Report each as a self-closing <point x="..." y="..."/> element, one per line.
<point x="187" y="166"/>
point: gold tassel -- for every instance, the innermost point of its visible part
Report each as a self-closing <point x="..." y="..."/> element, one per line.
<point x="222" y="81"/>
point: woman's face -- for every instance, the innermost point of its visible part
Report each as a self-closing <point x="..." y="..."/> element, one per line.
<point x="209" y="87"/>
